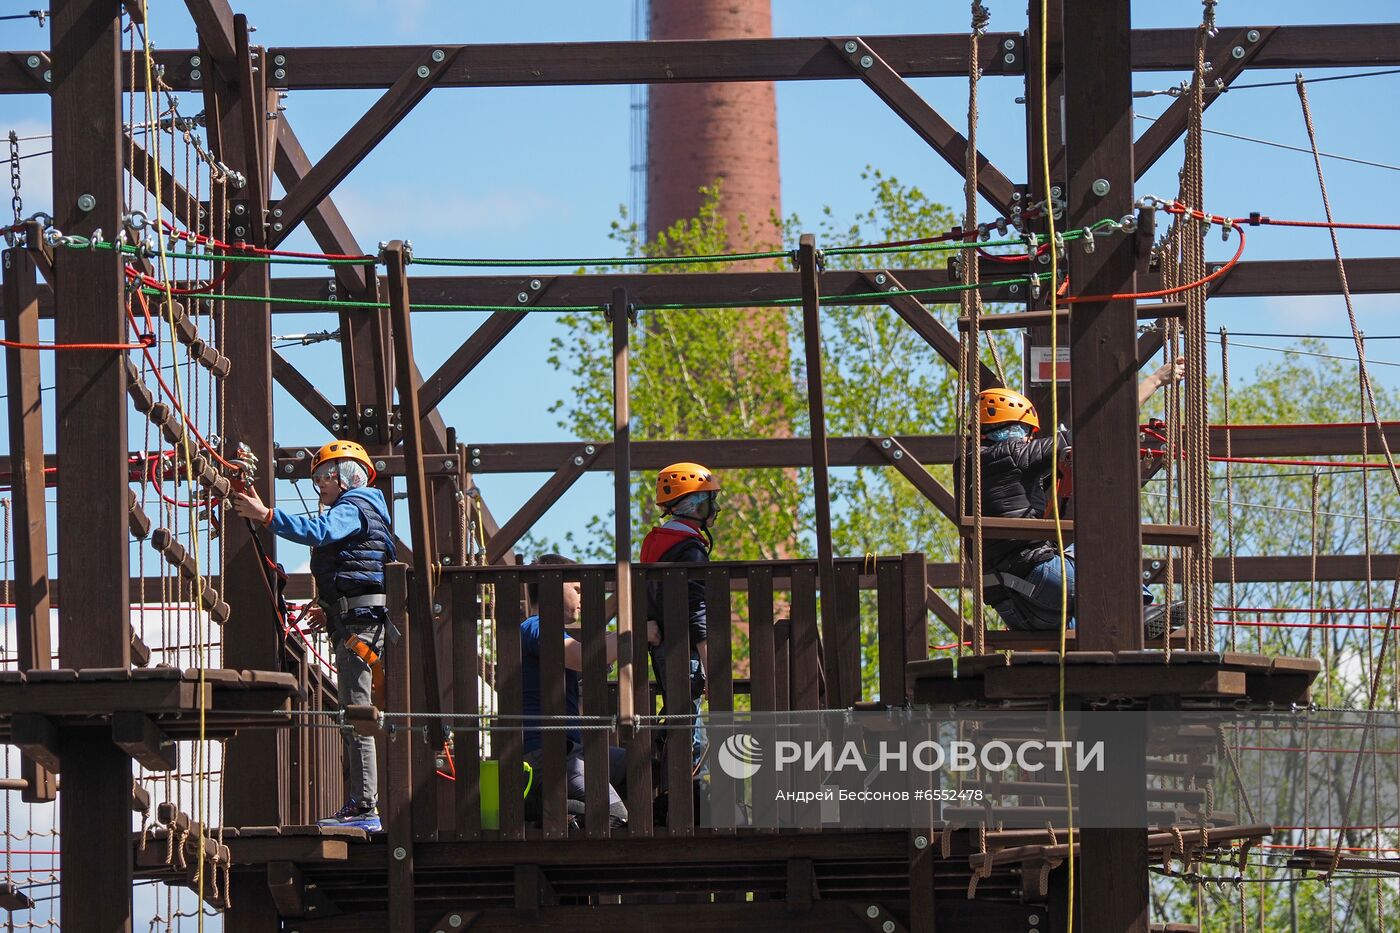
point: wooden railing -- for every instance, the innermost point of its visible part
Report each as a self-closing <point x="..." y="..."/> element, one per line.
<point x="762" y="619"/>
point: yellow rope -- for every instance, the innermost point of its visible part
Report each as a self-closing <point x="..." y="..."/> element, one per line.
<point x="200" y="763"/>
<point x="1054" y="427"/>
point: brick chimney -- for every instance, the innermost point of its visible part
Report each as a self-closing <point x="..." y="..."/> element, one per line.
<point x="699" y="132"/>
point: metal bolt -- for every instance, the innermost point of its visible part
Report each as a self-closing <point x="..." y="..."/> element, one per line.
<point x="240" y="231"/>
<point x="400" y="853"/>
<point x="437" y="607"/>
<point x="1033" y="919"/>
<point x="280" y="74"/>
<point x="1252" y="35"/>
<point x="536" y="284"/>
<point x="1237" y="51"/>
<point x="1015" y="289"/>
<point x="1056" y="191"/>
<point x="196" y="74"/>
<point x="879" y="278"/>
<point x="277" y="226"/>
<point x="1008" y="44"/>
<point x="439" y="55"/>
<point x="380" y="465"/>
<point x="287" y="468"/>
<point x="423" y="71"/>
<point x="276" y="60"/>
<point x="1147" y="575"/>
<point x="921" y="842"/>
<point x="369" y="411"/>
<point x="887" y="443"/>
<point x="578" y="461"/>
<point x="277" y="212"/>
<point x="1101" y="186"/>
<point x="370" y="431"/>
<point x="851" y="46"/>
<point x="476" y="461"/>
<point x="455" y="920"/>
<point x="1015" y="195"/>
<point x="899" y="455"/>
<point x="888" y="926"/>
<point x="449" y="464"/>
<point x="476" y="451"/>
<point x="1009" y="58"/>
<point x="866" y="61"/>
<point x="1156" y="565"/>
<point x="33" y="61"/>
<point x="48" y="76"/>
<point x="86" y="202"/>
<point x="1033" y="930"/>
<point x="523" y="297"/>
<point x="240" y="208"/>
<point x="588" y="449"/>
<point x="872" y="911"/>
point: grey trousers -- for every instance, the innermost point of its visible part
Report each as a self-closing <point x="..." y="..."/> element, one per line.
<point x="353" y="682"/>
<point x="575" y="782"/>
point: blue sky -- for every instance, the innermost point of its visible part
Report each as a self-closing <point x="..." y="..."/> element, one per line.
<point x="543" y="171"/>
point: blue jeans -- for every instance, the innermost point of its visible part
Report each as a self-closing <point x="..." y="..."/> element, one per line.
<point x="1044" y="601"/>
<point x="698" y="740"/>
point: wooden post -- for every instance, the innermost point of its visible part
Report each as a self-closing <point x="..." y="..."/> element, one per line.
<point x="1103" y="348"/>
<point x="419" y="518"/>
<point x="630" y="653"/>
<point x="1036" y="192"/>
<point x="808" y="267"/>
<point x="94" y="625"/>
<point x="399" y="799"/>
<point x="31" y="587"/>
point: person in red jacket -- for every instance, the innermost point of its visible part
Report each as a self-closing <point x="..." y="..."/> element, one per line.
<point x="686" y="493"/>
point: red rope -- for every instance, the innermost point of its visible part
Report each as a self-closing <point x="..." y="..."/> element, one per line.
<point x="147" y="340"/>
<point x="1338" y="612"/>
<point x="1255" y="219"/>
<point x="1176" y="208"/>
<point x="241" y="246"/>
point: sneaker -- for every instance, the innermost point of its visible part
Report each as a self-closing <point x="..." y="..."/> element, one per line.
<point x="356" y="815"/>
<point x="1155" y="617"/>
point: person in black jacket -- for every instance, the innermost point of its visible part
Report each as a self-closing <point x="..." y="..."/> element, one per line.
<point x="1027" y="582"/>
<point x="686" y="494"/>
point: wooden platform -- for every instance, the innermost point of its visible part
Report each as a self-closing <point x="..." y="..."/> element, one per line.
<point x="232" y="700"/>
<point x="1240" y="679"/>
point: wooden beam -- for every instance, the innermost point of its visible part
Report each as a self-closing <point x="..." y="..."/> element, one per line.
<point x="412" y="86"/>
<point x="288" y="887"/>
<point x="499" y="545"/>
<point x="899" y="457"/>
<point x="137" y="735"/>
<point x="36" y="736"/>
<point x="31" y="563"/>
<point x="466" y="357"/>
<point x="1167" y="129"/>
<point x="418" y="504"/>
<point x="632" y="653"/>
<point x="398" y="799"/>
<point x="924" y="120"/>
<point x="917" y="316"/>
<point x="305" y="393"/>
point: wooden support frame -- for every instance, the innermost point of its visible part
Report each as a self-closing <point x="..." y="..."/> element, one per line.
<point x="143" y="740"/>
<point x="631" y="642"/>
<point x="913" y="312"/>
<point x="515" y="528"/>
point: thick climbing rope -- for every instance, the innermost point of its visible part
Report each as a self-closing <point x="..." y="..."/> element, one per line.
<point x="971" y="306"/>
<point x="1229" y="479"/>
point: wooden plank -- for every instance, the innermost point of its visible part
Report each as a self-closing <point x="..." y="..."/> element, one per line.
<point x="640" y="741"/>
<point x="288" y="888"/>
<point x="762" y="676"/>
<point x="621" y="311"/>
<point x="1003" y="683"/>
<point x="96" y="698"/>
<point x="594" y="689"/>
<point x="549" y="779"/>
<point x="507" y="743"/>
<point x="924" y="120"/>
<point x="675" y="637"/>
<point x="847" y="642"/>
<point x="466" y="701"/>
<point x="914" y="617"/>
<point x="900" y="457"/>
<point x="398" y="802"/>
<point x="31" y="563"/>
<point x="411" y="86"/>
<point x="806" y="675"/>
<point x="720" y="678"/>
<point x="890" y="628"/>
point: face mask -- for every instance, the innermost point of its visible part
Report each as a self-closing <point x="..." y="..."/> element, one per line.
<point x="1007" y="432"/>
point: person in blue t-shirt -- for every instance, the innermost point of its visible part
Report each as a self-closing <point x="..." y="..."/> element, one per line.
<point x="351" y="541"/>
<point x="530" y="691"/>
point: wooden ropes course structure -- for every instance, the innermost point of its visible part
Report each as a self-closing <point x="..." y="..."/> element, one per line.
<point x="181" y="646"/>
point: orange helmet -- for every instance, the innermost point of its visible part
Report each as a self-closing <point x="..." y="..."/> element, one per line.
<point x="344" y="450"/>
<point x="681" y="479"/>
<point x="1002" y="406"/>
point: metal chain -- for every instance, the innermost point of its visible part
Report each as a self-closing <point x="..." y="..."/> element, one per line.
<point x="16" y="201"/>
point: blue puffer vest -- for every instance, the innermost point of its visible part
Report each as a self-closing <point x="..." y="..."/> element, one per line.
<point x="355" y="566"/>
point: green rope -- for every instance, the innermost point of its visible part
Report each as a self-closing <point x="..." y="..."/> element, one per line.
<point x="243" y="257"/>
<point x="606" y="261"/>
<point x="679" y="306"/>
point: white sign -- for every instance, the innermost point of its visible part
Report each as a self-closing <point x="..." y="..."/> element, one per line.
<point x="1041" y="368"/>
